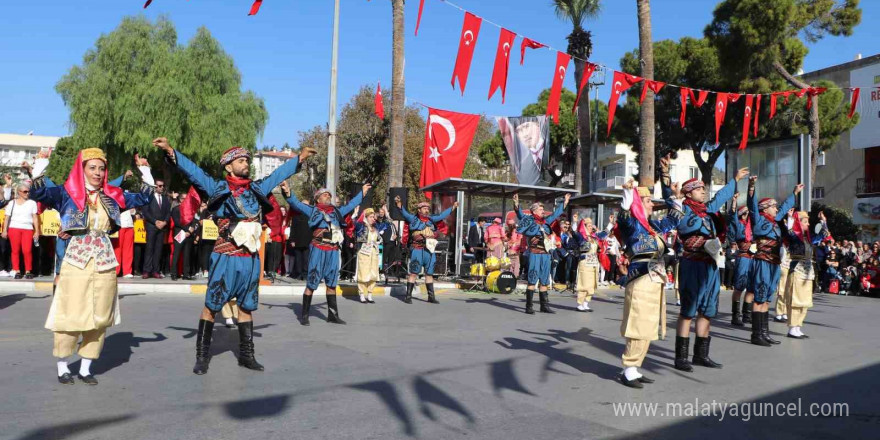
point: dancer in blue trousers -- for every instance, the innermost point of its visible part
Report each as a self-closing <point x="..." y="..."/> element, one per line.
<point x="421" y="243"/>
<point x="536" y="230"/>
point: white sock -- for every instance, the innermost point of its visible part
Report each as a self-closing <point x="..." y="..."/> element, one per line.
<point x="362" y="297"/>
<point x="369" y="296"/>
<point x="84" y="367"/>
<point x="792" y="331"/>
<point x="62" y="367"/>
<point x="631" y="373"/>
<point x="586" y="305"/>
<point x="799" y="332"/>
<point x="581" y="307"/>
<point x="229" y="321"/>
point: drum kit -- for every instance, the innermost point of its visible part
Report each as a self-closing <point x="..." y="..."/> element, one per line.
<point x="495" y="275"/>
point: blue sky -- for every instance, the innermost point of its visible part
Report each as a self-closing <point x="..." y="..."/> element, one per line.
<point x="284" y="52"/>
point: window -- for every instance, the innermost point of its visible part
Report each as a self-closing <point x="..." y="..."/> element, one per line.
<point x="694" y="173"/>
<point x="821" y="161"/>
<point x="819" y="192"/>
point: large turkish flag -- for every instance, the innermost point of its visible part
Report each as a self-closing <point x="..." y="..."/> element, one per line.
<point x="448" y="138"/>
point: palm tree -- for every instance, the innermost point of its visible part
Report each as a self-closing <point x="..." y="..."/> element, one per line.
<point x="395" y="176"/>
<point x="646" y="112"/>
<point x="580" y="46"/>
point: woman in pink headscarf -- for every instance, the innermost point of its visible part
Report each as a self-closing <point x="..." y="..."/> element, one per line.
<point x="496" y="235"/>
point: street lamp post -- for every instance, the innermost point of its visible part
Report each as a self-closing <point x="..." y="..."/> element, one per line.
<point x="331" y="141"/>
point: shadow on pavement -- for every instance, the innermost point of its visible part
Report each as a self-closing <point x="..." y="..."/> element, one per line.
<point x="67" y="430"/>
<point x="118" y="350"/>
<point x="10" y="300"/>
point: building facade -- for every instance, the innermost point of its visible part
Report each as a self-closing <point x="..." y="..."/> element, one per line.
<point x="267" y="161"/>
<point x="17" y="148"/>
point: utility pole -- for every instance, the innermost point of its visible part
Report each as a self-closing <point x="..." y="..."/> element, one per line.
<point x="331" y="142"/>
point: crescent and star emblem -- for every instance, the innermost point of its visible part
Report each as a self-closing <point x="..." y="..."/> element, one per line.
<point x="561" y="72"/>
<point x="617" y="86"/>
<point x="435" y="154"/>
<point x="447" y="125"/>
<point x="748" y="111"/>
<point x="721" y="106"/>
<point x="506" y="49"/>
<point x="467" y="41"/>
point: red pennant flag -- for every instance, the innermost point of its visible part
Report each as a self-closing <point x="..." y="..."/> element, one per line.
<point x="562" y="60"/>
<point x="655" y="86"/>
<point x="589" y="68"/>
<point x="684" y="91"/>
<point x="255" y="7"/>
<point x="701" y="98"/>
<point x="530" y="44"/>
<point x="757" y="112"/>
<point x="773" y="97"/>
<point x="747" y="120"/>
<point x="419" y="19"/>
<point x="502" y="64"/>
<point x="853" y="101"/>
<point x="622" y="82"/>
<point x="814" y="91"/>
<point x="720" y="111"/>
<point x="190" y="206"/>
<point x="448" y="137"/>
<point x="733" y="97"/>
<point x="469" y="33"/>
<point x="147" y="3"/>
<point x="800" y="94"/>
<point x="380" y="107"/>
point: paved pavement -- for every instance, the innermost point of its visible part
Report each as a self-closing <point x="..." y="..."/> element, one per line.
<point x="474" y="366"/>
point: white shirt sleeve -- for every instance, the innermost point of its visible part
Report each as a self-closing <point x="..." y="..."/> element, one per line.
<point x="7" y="193"/>
<point x="627" y="200"/>
<point x="679" y="204"/>
<point x="147" y="176"/>
<point x="818" y="228"/>
<point x="32" y="207"/>
<point x="40" y="166"/>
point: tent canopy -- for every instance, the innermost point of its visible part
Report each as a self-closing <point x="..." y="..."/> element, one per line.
<point x="482" y="188"/>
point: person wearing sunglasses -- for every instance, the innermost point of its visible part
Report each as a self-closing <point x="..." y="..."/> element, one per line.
<point x="21" y="229"/>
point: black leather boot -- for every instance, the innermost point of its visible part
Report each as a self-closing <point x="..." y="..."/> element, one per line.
<point x="737" y="315"/>
<point x="246" y="346"/>
<point x="757" y="330"/>
<point x="307" y="304"/>
<point x="431" y="298"/>
<point x="409" y="288"/>
<point x="682" y="344"/>
<point x="747" y="312"/>
<point x="530" y="300"/>
<point x="543" y="297"/>
<point x="701" y="353"/>
<point x="203" y="346"/>
<point x="333" y="309"/>
<point x="765" y="329"/>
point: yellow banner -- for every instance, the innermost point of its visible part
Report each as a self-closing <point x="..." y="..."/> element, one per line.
<point x="140" y="231"/>
<point x="209" y="230"/>
<point x="50" y="222"/>
<point x="3" y="219"/>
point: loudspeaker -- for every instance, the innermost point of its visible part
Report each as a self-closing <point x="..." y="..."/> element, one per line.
<point x="353" y="191"/>
<point x="403" y="193"/>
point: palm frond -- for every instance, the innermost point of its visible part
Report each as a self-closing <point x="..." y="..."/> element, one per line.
<point x="576" y="11"/>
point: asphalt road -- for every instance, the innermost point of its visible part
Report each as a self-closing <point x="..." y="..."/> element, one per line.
<point x="473" y="366"/>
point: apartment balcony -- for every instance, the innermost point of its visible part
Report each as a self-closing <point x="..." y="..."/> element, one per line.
<point x="865" y="186"/>
<point x="613" y="182"/>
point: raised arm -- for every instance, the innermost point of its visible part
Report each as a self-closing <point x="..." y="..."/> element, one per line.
<point x="354" y="203"/>
<point x="721" y="197"/>
<point x="296" y="204"/>
<point x="559" y="210"/>
<point x="188" y="168"/>
<point x="446" y="212"/>
<point x="789" y="202"/>
<point x="752" y="201"/>
<point x="281" y="174"/>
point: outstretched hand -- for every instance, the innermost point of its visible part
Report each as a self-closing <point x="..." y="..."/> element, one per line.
<point x="567" y="198"/>
<point x="743" y="172"/>
<point x="128" y="174"/>
<point x="752" y="179"/>
<point x="7" y="180"/>
<point x="398" y="202"/>
<point x="162" y="144"/>
<point x="798" y="188"/>
<point x="306" y="153"/>
<point x="141" y="161"/>
<point x="516" y="199"/>
<point x="455" y="205"/>
<point x="366" y="188"/>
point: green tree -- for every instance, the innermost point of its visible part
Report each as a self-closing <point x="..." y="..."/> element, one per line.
<point x="580" y="46"/>
<point x="840" y="222"/>
<point x="138" y="83"/>
<point x="492" y="152"/>
<point x="760" y="43"/>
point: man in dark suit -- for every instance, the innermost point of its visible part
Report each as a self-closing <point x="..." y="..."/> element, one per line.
<point x="476" y="239"/>
<point x="183" y="247"/>
<point x="156" y="216"/>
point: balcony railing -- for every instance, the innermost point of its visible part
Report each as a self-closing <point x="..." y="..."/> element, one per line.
<point x="867" y="186"/>
<point x="610" y="182"/>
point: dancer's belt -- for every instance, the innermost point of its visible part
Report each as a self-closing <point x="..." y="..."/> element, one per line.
<point x="225" y="244"/>
<point x="417" y="241"/>
<point x="743" y="249"/>
<point x="693" y="249"/>
<point x="768" y="250"/>
<point x="536" y="244"/>
<point x="322" y="238"/>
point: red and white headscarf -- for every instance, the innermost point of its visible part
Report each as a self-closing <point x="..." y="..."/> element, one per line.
<point x="76" y="180"/>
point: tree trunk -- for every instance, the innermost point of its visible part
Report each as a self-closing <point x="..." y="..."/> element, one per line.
<point x="646" y="113"/>
<point x="395" y="175"/>
<point x="812" y="122"/>
<point x="706" y="166"/>
<point x="583" y="161"/>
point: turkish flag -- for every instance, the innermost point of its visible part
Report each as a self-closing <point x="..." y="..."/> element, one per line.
<point x="469" y="33"/>
<point x="653" y="85"/>
<point x="814" y="91"/>
<point x="380" y="107"/>
<point x="622" y="82"/>
<point x="502" y="64"/>
<point x="562" y="60"/>
<point x="720" y="111"/>
<point x="747" y="119"/>
<point x="700" y="99"/>
<point x="757" y="113"/>
<point x="190" y="206"/>
<point x="589" y="68"/>
<point x="684" y="91"/>
<point x="854" y="100"/>
<point x="255" y="7"/>
<point x="527" y="43"/>
<point x="448" y="138"/>
<point x="773" y="97"/>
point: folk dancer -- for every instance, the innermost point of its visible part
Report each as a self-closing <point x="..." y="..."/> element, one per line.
<point x="587" y="240"/>
<point x="802" y="273"/>
<point x="782" y="298"/>
<point x="536" y="230"/>
<point x="422" y="243"/>
<point x="86" y="303"/>
<point x="234" y="269"/>
<point x="327" y="223"/>
<point x="701" y="230"/>
<point x="644" y="306"/>
<point x="766" y="214"/>
<point x="368" y="238"/>
<point x="740" y="235"/>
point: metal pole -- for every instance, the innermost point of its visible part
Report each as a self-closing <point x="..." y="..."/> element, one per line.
<point x="331" y="142"/>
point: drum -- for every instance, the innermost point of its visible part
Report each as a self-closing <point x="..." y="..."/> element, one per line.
<point x="478" y="270"/>
<point x="505" y="263"/>
<point x="501" y="282"/>
<point x="492" y="264"/>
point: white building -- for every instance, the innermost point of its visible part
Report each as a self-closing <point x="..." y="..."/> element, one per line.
<point x="17" y="148"/>
<point x="616" y="163"/>
<point x="267" y="161"/>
